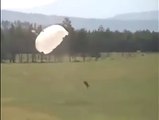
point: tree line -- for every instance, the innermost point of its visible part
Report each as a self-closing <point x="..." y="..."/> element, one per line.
<point x="18" y="38"/>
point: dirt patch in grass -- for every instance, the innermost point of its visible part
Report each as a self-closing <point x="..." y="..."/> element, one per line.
<point x="15" y="113"/>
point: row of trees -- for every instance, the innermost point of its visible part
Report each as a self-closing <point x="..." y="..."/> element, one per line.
<point x="17" y="39"/>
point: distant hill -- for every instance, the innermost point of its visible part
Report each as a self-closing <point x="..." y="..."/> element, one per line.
<point x="130" y="21"/>
<point x="150" y="15"/>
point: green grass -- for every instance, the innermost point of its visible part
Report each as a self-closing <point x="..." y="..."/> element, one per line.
<point x="120" y="89"/>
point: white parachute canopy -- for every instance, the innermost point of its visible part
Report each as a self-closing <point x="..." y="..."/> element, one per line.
<point x="50" y="38"/>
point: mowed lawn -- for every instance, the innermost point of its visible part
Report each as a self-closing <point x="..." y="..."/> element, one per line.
<point x="120" y="89"/>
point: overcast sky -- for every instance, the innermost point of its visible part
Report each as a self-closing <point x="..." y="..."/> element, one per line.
<point x="81" y="8"/>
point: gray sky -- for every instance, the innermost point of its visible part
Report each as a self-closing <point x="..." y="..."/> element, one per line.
<point x="81" y="8"/>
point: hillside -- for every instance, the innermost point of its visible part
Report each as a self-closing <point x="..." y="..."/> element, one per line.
<point x="130" y="21"/>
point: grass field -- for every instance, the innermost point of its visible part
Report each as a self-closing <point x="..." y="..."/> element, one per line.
<point x="120" y="89"/>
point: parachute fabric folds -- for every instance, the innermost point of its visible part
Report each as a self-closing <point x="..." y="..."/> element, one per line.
<point x="50" y="38"/>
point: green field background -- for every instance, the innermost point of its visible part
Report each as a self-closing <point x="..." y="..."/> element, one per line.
<point x="121" y="88"/>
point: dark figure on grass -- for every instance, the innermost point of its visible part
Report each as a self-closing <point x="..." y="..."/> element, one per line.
<point x="86" y="84"/>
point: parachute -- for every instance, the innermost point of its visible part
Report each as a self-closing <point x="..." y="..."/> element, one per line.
<point x="50" y="38"/>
